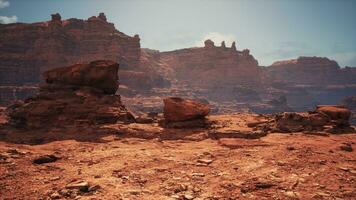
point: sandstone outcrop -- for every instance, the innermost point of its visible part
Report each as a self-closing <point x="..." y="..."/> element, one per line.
<point x="71" y="97"/>
<point x="329" y="118"/>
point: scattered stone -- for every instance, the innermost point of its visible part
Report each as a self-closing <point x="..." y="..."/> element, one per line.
<point x="264" y="185"/>
<point x="188" y="197"/>
<point x="45" y="159"/>
<point x="346" y="147"/>
<point x="198" y="174"/>
<point x="291" y="194"/>
<point x="56" y="178"/>
<point x="94" y="188"/>
<point x="290" y="148"/>
<point x="55" y="195"/>
<point x="82" y="186"/>
<point x="144" y="119"/>
<point x="254" y="124"/>
<point x="205" y="161"/>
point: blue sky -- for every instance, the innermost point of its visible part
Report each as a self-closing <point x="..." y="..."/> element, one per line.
<point x="272" y="29"/>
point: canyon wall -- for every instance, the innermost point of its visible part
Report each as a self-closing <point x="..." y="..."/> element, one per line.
<point x="26" y="50"/>
<point x="228" y="78"/>
<point x="316" y="71"/>
<point x="217" y="72"/>
<point x="307" y="81"/>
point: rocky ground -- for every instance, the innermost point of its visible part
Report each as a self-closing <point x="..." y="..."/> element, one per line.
<point x="112" y="165"/>
<point x="76" y="140"/>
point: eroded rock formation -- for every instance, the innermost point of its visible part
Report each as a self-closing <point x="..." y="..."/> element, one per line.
<point x="74" y="95"/>
<point x="328" y="118"/>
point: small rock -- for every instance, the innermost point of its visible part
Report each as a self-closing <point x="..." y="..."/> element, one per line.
<point x="264" y="185"/>
<point x="14" y="151"/>
<point x="134" y="192"/>
<point x="56" y="178"/>
<point x="55" y="195"/>
<point x="198" y="174"/>
<point x="344" y="169"/>
<point x="323" y="194"/>
<point x="291" y="194"/>
<point x="94" y="188"/>
<point x="45" y="159"/>
<point x="188" y="197"/>
<point x="290" y="148"/>
<point x="82" y="186"/>
<point x="180" y="188"/>
<point x="346" y="147"/>
<point x="205" y="161"/>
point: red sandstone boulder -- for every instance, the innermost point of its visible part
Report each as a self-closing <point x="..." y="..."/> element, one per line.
<point x="74" y="95"/>
<point x="338" y="113"/>
<point x="177" y="109"/>
<point x="101" y="74"/>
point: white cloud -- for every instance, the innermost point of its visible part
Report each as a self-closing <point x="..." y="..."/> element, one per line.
<point x="8" y="20"/>
<point x="4" y="4"/>
<point x="217" y="38"/>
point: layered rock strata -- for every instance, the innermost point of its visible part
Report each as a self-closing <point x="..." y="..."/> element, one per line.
<point x="81" y="93"/>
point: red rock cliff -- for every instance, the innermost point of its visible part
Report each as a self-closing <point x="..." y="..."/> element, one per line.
<point x="26" y="50"/>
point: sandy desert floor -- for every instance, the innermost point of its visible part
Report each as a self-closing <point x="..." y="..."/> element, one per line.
<point x="278" y="166"/>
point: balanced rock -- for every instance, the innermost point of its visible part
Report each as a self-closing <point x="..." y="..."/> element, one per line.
<point x="101" y="74"/>
<point x="177" y="109"/>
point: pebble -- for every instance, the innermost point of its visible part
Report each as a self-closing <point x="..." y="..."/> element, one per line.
<point x="188" y="197"/>
<point x="55" y="195"/>
<point x="346" y="147"/>
<point x="291" y="194"/>
<point x="205" y="161"/>
<point x="83" y="186"/>
<point x="45" y="159"/>
<point x="198" y="174"/>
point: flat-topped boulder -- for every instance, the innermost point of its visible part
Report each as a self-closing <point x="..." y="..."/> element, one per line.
<point x="101" y="74"/>
<point x="74" y="95"/>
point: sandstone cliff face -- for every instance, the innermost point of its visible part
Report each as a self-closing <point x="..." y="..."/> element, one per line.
<point x="307" y="81"/>
<point x="211" y="66"/>
<point x="216" y="72"/>
<point x="315" y="71"/>
<point x="26" y="50"/>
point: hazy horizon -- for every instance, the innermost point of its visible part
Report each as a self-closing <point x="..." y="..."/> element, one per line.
<point x="273" y="30"/>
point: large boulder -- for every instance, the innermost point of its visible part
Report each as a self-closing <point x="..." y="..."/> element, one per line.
<point x="339" y="114"/>
<point x="101" y="74"/>
<point x="177" y="109"/>
<point x="81" y="93"/>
